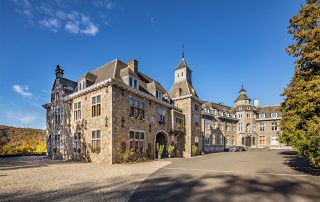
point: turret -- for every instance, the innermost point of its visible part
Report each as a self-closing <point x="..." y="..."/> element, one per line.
<point x="59" y="72"/>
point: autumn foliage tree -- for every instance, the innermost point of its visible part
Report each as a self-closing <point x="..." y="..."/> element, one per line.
<point x="301" y="107"/>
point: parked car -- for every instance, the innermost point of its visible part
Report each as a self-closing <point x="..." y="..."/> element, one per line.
<point x="240" y="148"/>
<point x="231" y="148"/>
<point x="234" y="148"/>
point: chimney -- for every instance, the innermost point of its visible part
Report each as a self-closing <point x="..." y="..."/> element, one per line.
<point x="59" y="72"/>
<point x="133" y="65"/>
<point x="256" y="103"/>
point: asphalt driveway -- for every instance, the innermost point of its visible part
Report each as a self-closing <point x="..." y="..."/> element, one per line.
<point x="240" y="176"/>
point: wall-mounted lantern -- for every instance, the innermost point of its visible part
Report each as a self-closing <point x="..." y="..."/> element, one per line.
<point x="106" y="121"/>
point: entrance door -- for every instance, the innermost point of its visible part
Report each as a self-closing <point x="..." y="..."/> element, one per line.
<point x="248" y="141"/>
<point x="161" y="139"/>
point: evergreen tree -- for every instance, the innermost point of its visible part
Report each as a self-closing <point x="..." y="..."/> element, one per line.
<point x="301" y="107"/>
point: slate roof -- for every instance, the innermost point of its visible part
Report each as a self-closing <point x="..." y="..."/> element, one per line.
<point x="268" y="109"/>
<point x="242" y="97"/>
<point x="182" y="64"/>
<point x="182" y="88"/>
<point x="116" y="69"/>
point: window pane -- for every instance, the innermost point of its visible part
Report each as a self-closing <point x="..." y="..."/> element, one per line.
<point x="98" y="110"/>
<point x="131" y="144"/>
<point x="79" y="105"/>
<point x="99" y="144"/>
<point x="131" y="135"/>
<point x="142" y="136"/>
<point x="94" y="100"/>
<point x="98" y="134"/>
<point x="136" y="135"/>
<point x="75" y="106"/>
<point x="93" y="134"/>
<point x="98" y="98"/>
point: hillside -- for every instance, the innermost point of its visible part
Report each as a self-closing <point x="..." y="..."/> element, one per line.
<point x="21" y="141"/>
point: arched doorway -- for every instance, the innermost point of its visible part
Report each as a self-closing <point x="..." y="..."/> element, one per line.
<point x="248" y="141"/>
<point x="161" y="138"/>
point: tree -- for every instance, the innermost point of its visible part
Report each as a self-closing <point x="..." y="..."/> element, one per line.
<point x="301" y="107"/>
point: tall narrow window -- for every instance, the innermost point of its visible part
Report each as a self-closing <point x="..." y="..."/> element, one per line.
<point x="221" y="140"/>
<point x="213" y="139"/>
<point x="96" y="106"/>
<point x="196" y="107"/>
<point x="96" y="141"/>
<point x="77" y="111"/>
<point x="158" y="94"/>
<point x="161" y="116"/>
<point x="240" y="127"/>
<point x="133" y="82"/>
<point x="262" y="126"/>
<point x="206" y="139"/>
<point x="77" y="142"/>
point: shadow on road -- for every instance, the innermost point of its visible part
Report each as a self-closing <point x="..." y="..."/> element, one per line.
<point x="210" y="187"/>
<point x="298" y="164"/>
<point x="119" y="190"/>
<point x="14" y="163"/>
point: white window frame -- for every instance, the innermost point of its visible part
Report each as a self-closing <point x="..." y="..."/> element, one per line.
<point x="213" y="139"/>
<point x="274" y="115"/>
<point x="77" y="141"/>
<point x="262" y="116"/>
<point x="262" y="126"/>
<point x="77" y="112"/>
<point x="240" y="127"/>
<point x="133" y="82"/>
<point x="159" y="95"/>
<point x="96" y="104"/>
<point x="96" y="138"/>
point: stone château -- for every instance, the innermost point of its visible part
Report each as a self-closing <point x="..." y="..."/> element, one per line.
<point x="116" y="107"/>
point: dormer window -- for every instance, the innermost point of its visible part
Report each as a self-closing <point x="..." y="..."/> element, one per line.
<point x="134" y="83"/>
<point x="274" y="115"/>
<point x="82" y="85"/>
<point x="181" y="73"/>
<point x="158" y="94"/>
<point x="262" y="116"/>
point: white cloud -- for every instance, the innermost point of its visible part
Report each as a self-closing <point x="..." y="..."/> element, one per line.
<point x="104" y="4"/>
<point x="55" y="17"/>
<point x="81" y="25"/>
<point x="24" y="8"/>
<point x="22" y="90"/>
<point x="51" y="23"/>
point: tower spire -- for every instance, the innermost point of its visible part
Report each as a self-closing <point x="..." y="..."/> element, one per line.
<point x="182" y="51"/>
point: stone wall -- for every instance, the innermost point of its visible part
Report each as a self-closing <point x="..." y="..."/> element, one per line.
<point x="88" y="123"/>
<point x="122" y="123"/>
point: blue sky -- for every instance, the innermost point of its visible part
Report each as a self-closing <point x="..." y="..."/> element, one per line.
<point x="227" y="43"/>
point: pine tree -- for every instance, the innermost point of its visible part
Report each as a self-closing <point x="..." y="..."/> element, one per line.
<point x="301" y="107"/>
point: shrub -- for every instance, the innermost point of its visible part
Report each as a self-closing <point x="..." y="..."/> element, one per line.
<point x="160" y="149"/>
<point x="194" y="150"/>
<point x="170" y="149"/>
<point x="139" y="155"/>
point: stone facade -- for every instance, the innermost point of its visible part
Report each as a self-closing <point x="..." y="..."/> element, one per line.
<point x="116" y="108"/>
